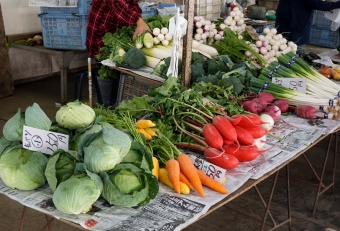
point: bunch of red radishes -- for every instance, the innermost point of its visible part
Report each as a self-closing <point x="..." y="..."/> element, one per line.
<point x="266" y="104"/>
<point x="230" y="141"/>
<point x="233" y="140"/>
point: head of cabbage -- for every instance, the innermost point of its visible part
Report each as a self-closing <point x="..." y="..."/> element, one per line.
<point x="75" y="115"/>
<point x="101" y="151"/>
<point x="129" y="185"/>
<point x="60" y="167"/>
<point x="22" y="169"/>
<point x="77" y="194"/>
<point x="34" y="117"/>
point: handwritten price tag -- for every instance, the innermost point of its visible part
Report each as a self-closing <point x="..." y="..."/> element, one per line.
<point x="296" y="84"/>
<point x="211" y="170"/>
<point x="44" y="141"/>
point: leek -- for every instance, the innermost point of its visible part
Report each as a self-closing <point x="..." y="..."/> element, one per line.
<point x="157" y="52"/>
<point x="151" y="61"/>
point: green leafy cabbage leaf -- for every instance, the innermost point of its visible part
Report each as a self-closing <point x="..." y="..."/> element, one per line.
<point x="128" y="185"/>
<point x="22" y="169"/>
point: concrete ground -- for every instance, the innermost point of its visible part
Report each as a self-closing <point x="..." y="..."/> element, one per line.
<point x="232" y="216"/>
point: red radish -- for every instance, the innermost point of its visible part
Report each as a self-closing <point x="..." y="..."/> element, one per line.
<point x="221" y="159"/>
<point x="259" y="131"/>
<point x="249" y="120"/>
<point x="212" y="136"/>
<point x="305" y="111"/>
<point x="244" y="153"/>
<point x="273" y="111"/>
<point x="282" y="104"/>
<point x="269" y="98"/>
<point x="243" y="136"/>
<point x="225" y="128"/>
<point x="253" y="107"/>
<point x="227" y="141"/>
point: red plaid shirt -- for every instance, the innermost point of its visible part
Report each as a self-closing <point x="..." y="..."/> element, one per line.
<point x="108" y="16"/>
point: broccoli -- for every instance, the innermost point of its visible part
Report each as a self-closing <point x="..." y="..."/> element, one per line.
<point x="208" y="79"/>
<point x="134" y="58"/>
<point x="221" y="63"/>
<point x="197" y="57"/>
<point x="197" y="71"/>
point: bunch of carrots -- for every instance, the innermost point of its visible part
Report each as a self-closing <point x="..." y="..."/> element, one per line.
<point x="180" y="173"/>
<point x="147" y="128"/>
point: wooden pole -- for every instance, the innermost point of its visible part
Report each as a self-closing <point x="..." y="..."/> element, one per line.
<point x="6" y="80"/>
<point x="187" y="43"/>
<point x="89" y="67"/>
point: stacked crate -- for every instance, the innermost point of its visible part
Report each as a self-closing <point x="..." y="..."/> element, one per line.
<point x="64" y="28"/>
<point x="321" y="33"/>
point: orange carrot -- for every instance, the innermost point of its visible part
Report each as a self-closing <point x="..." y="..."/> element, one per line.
<point x="211" y="183"/>
<point x="190" y="172"/>
<point x="172" y="167"/>
<point x="185" y="180"/>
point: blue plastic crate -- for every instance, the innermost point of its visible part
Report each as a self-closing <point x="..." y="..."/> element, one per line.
<point x="64" y="31"/>
<point x="148" y="11"/>
<point x="259" y="28"/>
<point x="324" y="37"/>
<point x="319" y="20"/>
<point x="83" y="8"/>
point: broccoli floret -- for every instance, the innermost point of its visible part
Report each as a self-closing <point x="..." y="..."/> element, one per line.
<point x="134" y="58"/>
<point x="208" y="79"/>
<point x="197" y="57"/>
<point x="197" y="71"/>
<point x="214" y="66"/>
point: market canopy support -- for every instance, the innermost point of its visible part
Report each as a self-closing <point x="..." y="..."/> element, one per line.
<point x="187" y="44"/>
<point x="6" y="80"/>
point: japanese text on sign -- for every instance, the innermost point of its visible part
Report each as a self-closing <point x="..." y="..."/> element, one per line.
<point x="210" y="170"/>
<point x="44" y="141"/>
<point x="296" y="84"/>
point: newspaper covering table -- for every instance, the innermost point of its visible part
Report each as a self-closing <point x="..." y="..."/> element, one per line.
<point x="170" y="211"/>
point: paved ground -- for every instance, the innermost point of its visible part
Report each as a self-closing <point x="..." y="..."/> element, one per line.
<point x="46" y="93"/>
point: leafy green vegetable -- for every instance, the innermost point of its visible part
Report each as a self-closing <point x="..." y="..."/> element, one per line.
<point x="129" y="185"/>
<point x="75" y="115"/>
<point x="60" y="167"/>
<point x="22" y="169"/>
<point x="197" y="70"/>
<point x="77" y="194"/>
<point x="140" y="155"/>
<point x="103" y="150"/>
<point x="12" y="129"/>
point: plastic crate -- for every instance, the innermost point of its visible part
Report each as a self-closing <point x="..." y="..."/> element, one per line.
<point x="324" y="37"/>
<point x="319" y="20"/>
<point x="130" y="87"/>
<point x="83" y="8"/>
<point x="209" y="9"/>
<point x="64" y="31"/>
<point x="259" y="28"/>
<point x="148" y="11"/>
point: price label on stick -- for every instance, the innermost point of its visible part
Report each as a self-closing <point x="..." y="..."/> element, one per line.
<point x="210" y="170"/>
<point x="296" y="84"/>
<point x="44" y="141"/>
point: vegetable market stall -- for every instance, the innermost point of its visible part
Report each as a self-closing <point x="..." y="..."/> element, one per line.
<point x="173" y="211"/>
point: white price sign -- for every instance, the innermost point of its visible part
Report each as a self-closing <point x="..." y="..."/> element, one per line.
<point x="210" y="170"/>
<point x="296" y="84"/>
<point x="44" y="141"/>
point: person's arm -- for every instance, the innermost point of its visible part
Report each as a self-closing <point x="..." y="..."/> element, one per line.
<point x="130" y="13"/>
<point x="322" y="5"/>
